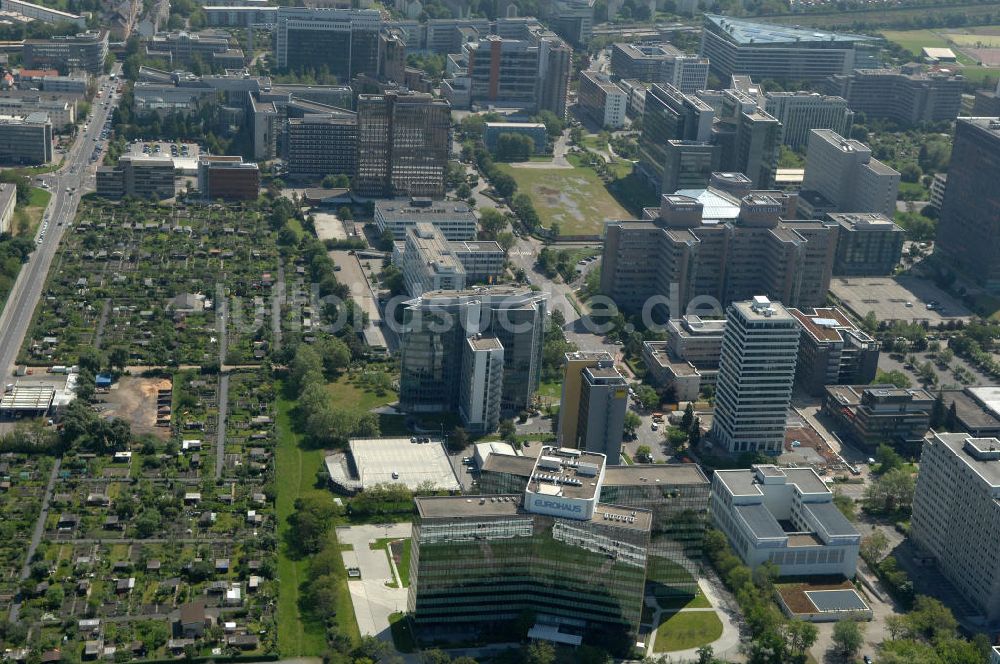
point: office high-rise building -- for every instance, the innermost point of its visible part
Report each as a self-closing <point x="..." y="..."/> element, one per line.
<point x="343" y="41"/>
<point x="402" y="148"/>
<point x="843" y="171"/>
<point x="602" y="100"/>
<point x="480" y="392"/>
<point x="708" y="242"/>
<point x="660" y="63"/>
<point x="764" y="50"/>
<point x="321" y="144"/>
<point x="833" y="350"/>
<point x="26" y="139"/>
<point x="593" y="405"/>
<point x="906" y="97"/>
<point x="968" y="236"/>
<point x="756" y="374"/>
<point x="688" y="165"/>
<point x="801" y="112"/>
<point x="87" y="51"/>
<point x="438" y="322"/>
<point x="555" y="553"/>
<point x="670" y="115"/>
<point x="868" y="244"/>
<point x="956" y="518"/>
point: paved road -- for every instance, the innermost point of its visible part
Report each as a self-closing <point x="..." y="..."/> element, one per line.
<point x="75" y="175"/>
<point x="36" y="537"/>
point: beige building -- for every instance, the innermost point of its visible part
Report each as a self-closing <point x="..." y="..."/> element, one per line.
<point x="843" y="171"/>
<point x="594" y="400"/>
<point x="956" y="515"/>
<point x="689" y="358"/>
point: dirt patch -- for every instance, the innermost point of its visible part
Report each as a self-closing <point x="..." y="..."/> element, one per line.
<point x="134" y="399"/>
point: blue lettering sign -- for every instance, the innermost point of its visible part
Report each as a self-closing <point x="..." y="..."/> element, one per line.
<point x="563" y="507"/>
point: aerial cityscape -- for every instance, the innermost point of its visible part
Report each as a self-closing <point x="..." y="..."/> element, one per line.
<point x="500" y="331"/>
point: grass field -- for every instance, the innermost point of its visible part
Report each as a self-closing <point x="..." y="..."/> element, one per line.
<point x="27" y="218"/>
<point x="296" y="472"/>
<point x="349" y="391"/>
<point x="574" y="198"/>
<point x="914" y="40"/>
<point x="889" y="16"/>
<point x="687" y="629"/>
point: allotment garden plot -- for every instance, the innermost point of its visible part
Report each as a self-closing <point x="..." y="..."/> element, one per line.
<point x="150" y="278"/>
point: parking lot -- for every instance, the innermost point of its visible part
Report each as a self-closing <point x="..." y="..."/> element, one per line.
<point x="903" y="298"/>
<point x="373" y="600"/>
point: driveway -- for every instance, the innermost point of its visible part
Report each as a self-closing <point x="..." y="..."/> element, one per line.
<point x="373" y="600"/>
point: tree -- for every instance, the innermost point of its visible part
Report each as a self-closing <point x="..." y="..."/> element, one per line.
<point x="540" y="652"/>
<point x="800" y="636"/>
<point x="874" y="546"/>
<point x="848" y="637"/>
<point x="888" y="459"/>
<point x="336" y="355"/>
<point x="894" y="377"/>
<point x="492" y="222"/>
<point x="514" y="147"/>
<point x="891" y="492"/>
<point x="632" y="423"/>
<point x="643" y="453"/>
<point x="938" y="411"/>
<point x="118" y="357"/>
<point x="458" y="440"/>
<point x="951" y="420"/>
<point x="688" y="417"/>
<point x="507" y="430"/>
<point x="694" y="433"/>
<point x="647" y="397"/>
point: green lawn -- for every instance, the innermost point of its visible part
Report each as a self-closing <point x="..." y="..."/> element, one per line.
<point x="699" y="601"/>
<point x="295" y="469"/>
<point x="349" y="391"/>
<point x="574" y="198"/>
<point x="39" y="197"/>
<point x="687" y="629"/>
<point x="915" y="40"/>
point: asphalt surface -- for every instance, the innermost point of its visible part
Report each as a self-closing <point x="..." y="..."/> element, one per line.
<point x="78" y="175"/>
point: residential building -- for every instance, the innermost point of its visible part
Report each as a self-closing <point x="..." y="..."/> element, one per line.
<point x="476" y="563"/>
<point x="832" y="351"/>
<point x="237" y="16"/>
<point x="403" y="144"/>
<point x="660" y="63"/>
<point x="786" y="517"/>
<point x="480" y="392"/>
<point x="763" y="50"/>
<point x="868" y="244"/>
<point x="801" y="112"/>
<point x="453" y="218"/>
<point x="438" y="322"/>
<point x="87" y="51"/>
<point x="678" y="524"/>
<point x="140" y="177"/>
<point x="344" y="41"/>
<point x="843" y="171"/>
<point x="228" y="178"/>
<point x="709" y="243"/>
<point x="669" y="115"/>
<point x="183" y="48"/>
<point x="906" y="97"/>
<point x="872" y="415"/>
<point x="756" y="374"/>
<point x="956" y="516"/>
<point x="602" y="100"/>
<point x="321" y="144"/>
<point x="689" y="358"/>
<point x="8" y="199"/>
<point x="968" y="235"/>
<point x="593" y="405"/>
<point x="25" y="139"/>
<point x="533" y="130"/>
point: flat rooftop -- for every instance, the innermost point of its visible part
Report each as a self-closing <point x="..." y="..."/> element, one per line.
<point x="971" y="411"/>
<point x="988" y="397"/>
<point x="836" y="600"/>
<point x="988" y="468"/>
<point x="28" y="398"/>
<point x="761" y="308"/>
<point x="754" y="33"/>
<point x="515" y="465"/>
<point x="485" y="343"/>
<point x="696" y="326"/>
<point x="509" y="505"/>
<point x="748" y="482"/>
<point x="687" y="474"/>
<point x="400" y="461"/>
<point x="864" y="221"/>
<point x="404" y="210"/>
<point x="566" y="472"/>
<point x="827" y="324"/>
